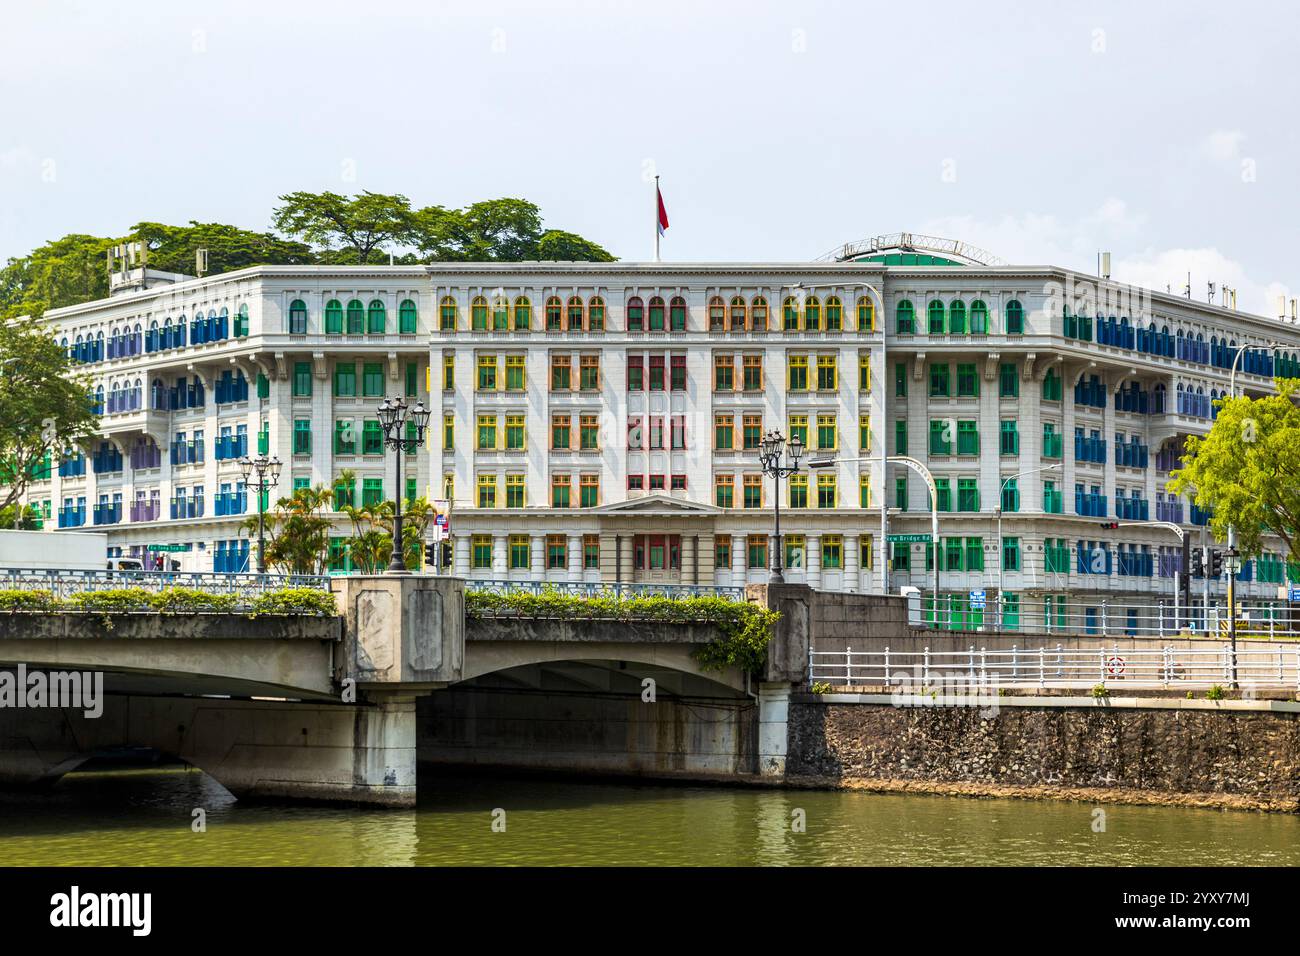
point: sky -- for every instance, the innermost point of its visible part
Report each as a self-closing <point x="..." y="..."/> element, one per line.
<point x="1044" y="132"/>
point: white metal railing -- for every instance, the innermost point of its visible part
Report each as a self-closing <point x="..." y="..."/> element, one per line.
<point x="1060" y="667"/>
<point x="64" y="583"/>
<point x="605" y="590"/>
<point x="1111" y="618"/>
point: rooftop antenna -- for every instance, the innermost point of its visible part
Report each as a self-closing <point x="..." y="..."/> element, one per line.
<point x="1105" y="265"/>
<point x="1293" y="315"/>
<point x="1210" y="297"/>
<point x="1187" y="289"/>
<point x="200" y="262"/>
<point x="1281" y="308"/>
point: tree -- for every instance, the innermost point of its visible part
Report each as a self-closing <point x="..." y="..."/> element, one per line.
<point x="496" y="230"/>
<point x="171" y="248"/>
<point x="559" y="246"/>
<point x="360" y="224"/>
<point x="1247" y="469"/>
<point x="299" y="531"/>
<point x="44" y="408"/>
<point x="66" y="271"/>
<point x="30" y="519"/>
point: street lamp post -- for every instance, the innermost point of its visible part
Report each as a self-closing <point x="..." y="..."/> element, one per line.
<point x="1232" y="564"/>
<point x="267" y="471"/>
<point x="1001" y="552"/>
<point x="772" y="451"/>
<point x="394" y="416"/>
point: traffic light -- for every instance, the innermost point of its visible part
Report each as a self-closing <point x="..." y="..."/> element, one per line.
<point x="1216" y="563"/>
<point x="1198" y="562"/>
<point x="431" y="555"/>
<point x="1110" y="525"/>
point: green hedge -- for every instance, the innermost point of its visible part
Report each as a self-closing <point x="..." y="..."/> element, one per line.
<point x="743" y="629"/>
<point x="174" y="600"/>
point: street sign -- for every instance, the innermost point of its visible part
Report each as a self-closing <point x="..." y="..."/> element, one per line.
<point x="1293" y="594"/>
<point x="908" y="538"/>
<point x="168" y="547"/>
<point x="977" y="599"/>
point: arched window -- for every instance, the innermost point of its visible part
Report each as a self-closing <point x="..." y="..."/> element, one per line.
<point x="447" y="314"/>
<point x="834" y="314"/>
<point x="376" y="318"/>
<point x="677" y="314"/>
<point x="736" y="315"/>
<point x="635" y="314"/>
<point x="790" y="314"/>
<point x="935" y="313"/>
<point x="1015" y="318"/>
<point x="979" y="318"/>
<point x="356" y="317"/>
<point x="717" y="314"/>
<point x="297" y="317"/>
<point x="575" y="314"/>
<point x="904" y="318"/>
<point x="812" y="313"/>
<point x="957" y="317"/>
<point x="758" y="314"/>
<point x="596" y="314"/>
<point x="523" y="313"/>
<point x="554" y="315"/>
<point x="656" y="314"/>
<point x="333" y="317"/>
<point x="407" y="317"/>
<point x="500" y="314"/>
<point x="478" y="314"/>
<point x="866" y="314"/>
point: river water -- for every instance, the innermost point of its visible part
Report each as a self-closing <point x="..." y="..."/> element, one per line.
<point x="144" y="817"/>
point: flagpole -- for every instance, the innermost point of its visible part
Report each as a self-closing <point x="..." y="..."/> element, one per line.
<point x="656" y="218"/>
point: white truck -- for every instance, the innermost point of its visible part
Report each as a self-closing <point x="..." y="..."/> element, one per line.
<point x="62" y="550"/>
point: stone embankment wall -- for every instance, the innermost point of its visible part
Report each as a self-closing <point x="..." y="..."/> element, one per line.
<point x="1240" y="754"/>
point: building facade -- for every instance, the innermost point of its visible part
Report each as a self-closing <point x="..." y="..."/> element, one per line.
<point x="600" y="421"/>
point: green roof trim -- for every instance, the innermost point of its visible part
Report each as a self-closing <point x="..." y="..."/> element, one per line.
<point x="908" y="259"/>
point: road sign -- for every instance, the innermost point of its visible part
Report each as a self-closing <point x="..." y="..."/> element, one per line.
<point x="1115" y="666"/>
<point x="977" y="599"/>
<point x="167" y="547"/>
<point x="1293" y="594"/>
<point x="908" y="538"/>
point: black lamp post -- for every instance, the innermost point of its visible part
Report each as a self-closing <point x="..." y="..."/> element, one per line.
<point x="771" y="453"/>
<point x="393" y="418"/>
<point x="268" y="476"/>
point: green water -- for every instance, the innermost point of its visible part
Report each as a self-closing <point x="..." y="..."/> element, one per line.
<point x="144" y="818"/>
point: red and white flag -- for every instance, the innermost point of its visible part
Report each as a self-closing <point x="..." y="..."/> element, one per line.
<point x="663" y="212"/>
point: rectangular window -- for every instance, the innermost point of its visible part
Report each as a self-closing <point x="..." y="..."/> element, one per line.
<point x="412" y="379"/>
<point x="516" y="437"/>
<point x="1052" y="498"/>
<point x="756" y="551"/>
<point x="516" y="373"/>
<point x="753" y="491"/>
<point x="678" y="424"/>
<point x="557" y="552"/>
<point x="1008" y="381"/>
<point x="900" y="492"/>
<point x="799" y="428"/>
<point x="968" y="438"/>
<point x="519" y="552"/>
<point x="487" y="491"/>
<point x="753" y="377"/>
<point x="635" y="373"/>
<point x="944" y="487"/>
<point x="372" y="491"/>
<point x="864" y="433"/>
<point x="798" y="491"/>
<point x="678" y="383"/>
<point x="797" y="380"/>
<point x="560" y="432"/>
<point x="372" y="438"/>
<point x="974" y="554"/>
<point x="864" y="371"/>
<point x="940" y="436"/>
<point x="448" y="432"/>
<point x="752" y="431"/>
<point x="900" y="380"/>
<point x="968" y="383"/>
<point x="448" y="372"/>
<point x="1011" y="494"/>
<point x="900" y="437"/>
<point x="591" y="552"/>
<point x="864" y="490"/>
<point x="828" y="376"/>
<point x="561" y="373"/>
<point x="589" y="373"/>
<point x="1010" y="554"/>
<point x="345" y="380"/>
<point x="722" y="552"/>
<point x="724" y="490"/>
<point x="867" y="551"/>
<point x="345" y="494"/>
<point x="827" y="433"/>
<point x="656" y="373"/>
<point x="561" y="488"/>
<point x="724" y="428"/>
<point x="487" y="433"/>
<point x="724" y="373"/>
<point x="1008" y="438"/>
<point x="588" y="491"/>
<point x="939" y="380"/>
<point x="635" y="433"/>
<point x="514" y="491"/>
<point x="827" y="497"/>
<point x="481" y="552"/>
<point x="968" y="494"/>
<point x="487" y="373"/>
<point x="301" y="379"/>
<point x="832" y="552"/>
<point x="589" y="432"/>
<point x="302" y="436"/>
<point x="373" y="380"/>
<point x="345" y="440"/>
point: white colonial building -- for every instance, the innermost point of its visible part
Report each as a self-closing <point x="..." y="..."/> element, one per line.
<point x="600" y="421"/>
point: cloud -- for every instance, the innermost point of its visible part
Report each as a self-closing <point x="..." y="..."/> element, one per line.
<point x="1039" y="239"/>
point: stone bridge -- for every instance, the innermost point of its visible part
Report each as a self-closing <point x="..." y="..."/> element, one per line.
<point x="345" y="708"/>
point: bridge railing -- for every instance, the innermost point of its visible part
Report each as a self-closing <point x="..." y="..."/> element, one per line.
<point x="64" y="583"/>
<point x="605" y="590"/>
<point x="1059" y="667"/>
